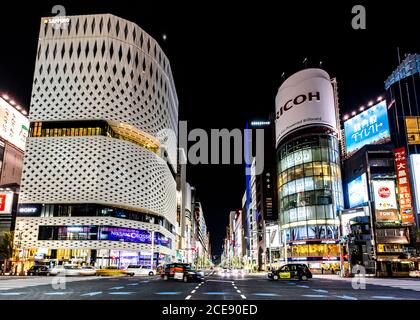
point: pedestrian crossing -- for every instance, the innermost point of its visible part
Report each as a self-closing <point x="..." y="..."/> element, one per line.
<point x="11" y="284"/>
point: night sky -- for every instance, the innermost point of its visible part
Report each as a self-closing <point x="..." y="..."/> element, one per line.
<point x="227" y="63"/>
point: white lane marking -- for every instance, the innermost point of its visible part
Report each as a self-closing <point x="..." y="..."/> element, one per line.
<point x="235" y="287"/>
<point x="266" y="294"/>
<point x="120" y="293"/>
<point x="90" y="294"/>
<point x="133" y="284"/>
<point x="56" y="293"/>
<point x="314" y="295"/>
<point x="197" y="287"/>
<point x="11" y="293"/>
<point x="385" y="297"/>
<point x="116" y="288"/>
<point x="193" y="291"/>
<point x="242" y="296"/>
<point x="302" y="286"/>
<point x="238" y="291"/>
<point x="320" y="290"/>
<point x="188" y="298"/>
<point x="347" y="297"/>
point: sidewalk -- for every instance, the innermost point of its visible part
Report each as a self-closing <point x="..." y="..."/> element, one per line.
<point x="12" y="277"/>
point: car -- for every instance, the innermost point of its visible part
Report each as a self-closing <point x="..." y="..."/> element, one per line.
<point x="291" y="271"/>
<point x="181" y="271"/>
<point x="138" y="270"/>
<point x="39" y="271"/>
<point x="65" y="270"/>
<point x="414" y="274"/>
<point x="87" y="271"/>
<point x="160" y="269"/>
<point x="112" y="271"/>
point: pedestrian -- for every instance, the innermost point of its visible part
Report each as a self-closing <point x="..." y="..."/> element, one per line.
<point x="322" y="270"/>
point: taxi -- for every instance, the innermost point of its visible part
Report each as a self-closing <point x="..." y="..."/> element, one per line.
<point x="291" y="271"/>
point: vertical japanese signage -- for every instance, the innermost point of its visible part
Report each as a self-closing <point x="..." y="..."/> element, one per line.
<point x="403" y="183"/>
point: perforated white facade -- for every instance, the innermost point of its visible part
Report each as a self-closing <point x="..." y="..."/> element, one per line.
<point x="101" y="67"/>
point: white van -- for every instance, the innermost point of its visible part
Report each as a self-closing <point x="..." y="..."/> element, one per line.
<point x="137" y="270"/>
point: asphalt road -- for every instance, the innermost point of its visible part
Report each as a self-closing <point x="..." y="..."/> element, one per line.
<point x="255" y="287"/>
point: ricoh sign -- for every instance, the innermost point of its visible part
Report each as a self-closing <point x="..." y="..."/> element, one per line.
<point x="305" y="99"/>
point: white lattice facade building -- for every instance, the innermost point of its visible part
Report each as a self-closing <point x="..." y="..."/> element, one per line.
<point x="99" y="169"/>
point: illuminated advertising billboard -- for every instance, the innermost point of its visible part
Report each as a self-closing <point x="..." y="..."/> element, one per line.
<point x="14" y="126"/>
<point x="305" y="99"/>
<point x="368" y="127"/>
<point x="6" y="202"/>
<point x="273" y="235"/>
<point x="133" y="235"/>
<point x="348" y="214"/>
<point x="357" y="191"/>
<point x="386" y="209"/>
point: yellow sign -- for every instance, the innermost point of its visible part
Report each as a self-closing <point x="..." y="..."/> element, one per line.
<point x="285" y="275"/>
<point x="413" y="129"/>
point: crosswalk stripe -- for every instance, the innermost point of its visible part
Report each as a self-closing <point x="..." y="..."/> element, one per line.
<point x="91" y="293"/>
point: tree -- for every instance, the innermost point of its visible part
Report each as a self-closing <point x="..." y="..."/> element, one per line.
<point x="6" y="245"/>
<point x="6" y="249"/>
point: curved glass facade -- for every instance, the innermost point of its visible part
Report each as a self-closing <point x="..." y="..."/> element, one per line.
<point x="309" y="187"/>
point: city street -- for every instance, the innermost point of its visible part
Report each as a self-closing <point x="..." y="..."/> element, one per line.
<point x="252" y="287"/>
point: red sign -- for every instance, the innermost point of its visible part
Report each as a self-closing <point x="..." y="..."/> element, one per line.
<point x="403" y="183"/>
<point x="2" y="202"/>
<point x="384" y="192"/>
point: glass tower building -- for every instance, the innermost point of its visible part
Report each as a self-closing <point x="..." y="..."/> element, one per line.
<point x="310" y="193"/>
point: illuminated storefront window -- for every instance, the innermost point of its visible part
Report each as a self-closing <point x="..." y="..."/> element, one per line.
<point x="102" y="233"/>
<point x="91" y="128"/>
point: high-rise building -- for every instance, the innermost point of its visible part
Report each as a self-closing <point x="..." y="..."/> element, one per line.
<point x="308" y="167"/>
<point x="403" y="94"/>
<point x="99" y="171"/>
<point x="201" y="240"/>
<point x="263" y="190"/>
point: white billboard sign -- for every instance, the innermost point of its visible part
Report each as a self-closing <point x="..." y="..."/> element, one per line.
<point x="14" y="126"/>
<point x="348" y="214"/>
<point x="272" y="236"/>
<point x="305" y="99"/>
<point x="385" y="197"/>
